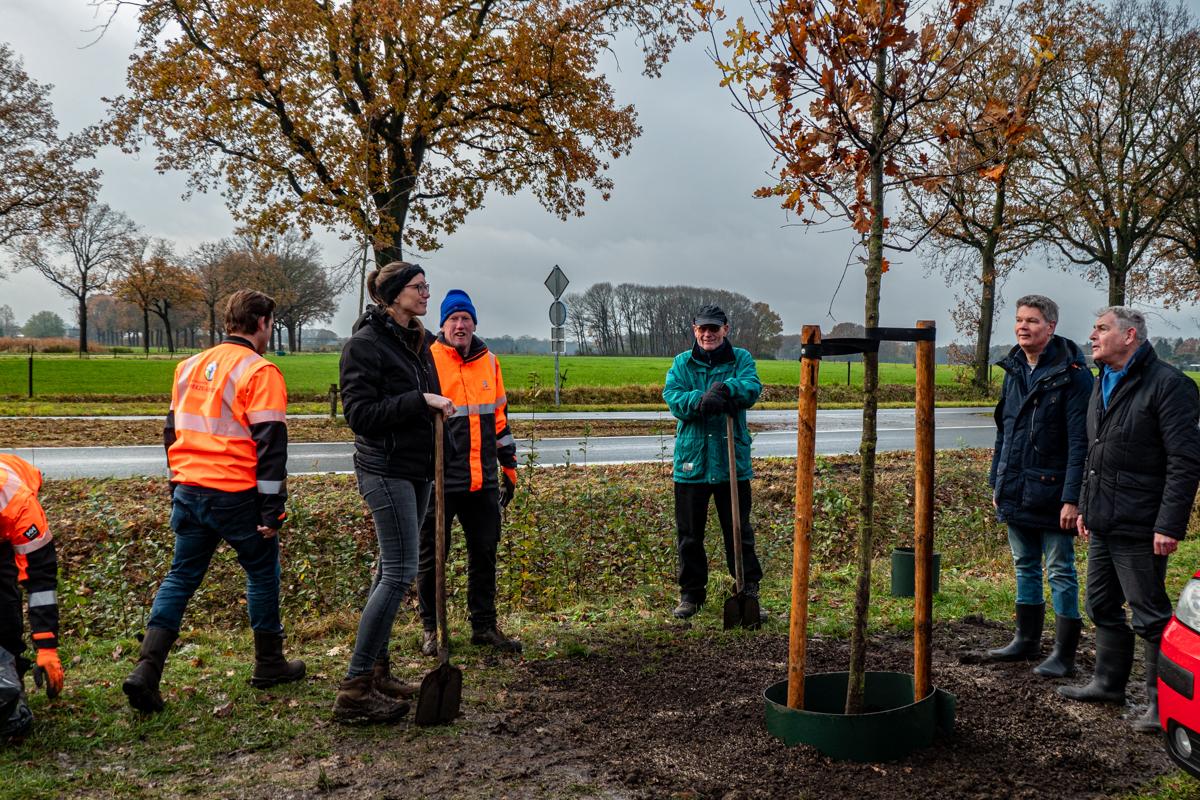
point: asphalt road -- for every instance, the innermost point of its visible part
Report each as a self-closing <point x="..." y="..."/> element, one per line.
<point x="837" y="432"/>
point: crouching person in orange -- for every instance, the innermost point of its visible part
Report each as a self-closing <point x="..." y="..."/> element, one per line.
<point x="226" y="440"/>
<point x="27" y="558"/>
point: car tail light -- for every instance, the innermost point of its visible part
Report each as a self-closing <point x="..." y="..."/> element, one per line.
<point x="1187" y="610"/>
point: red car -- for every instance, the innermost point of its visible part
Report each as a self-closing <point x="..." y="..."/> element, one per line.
<point x="1178" y="666"/>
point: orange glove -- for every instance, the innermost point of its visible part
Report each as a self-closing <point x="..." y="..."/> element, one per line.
<point x="49" y="667"/>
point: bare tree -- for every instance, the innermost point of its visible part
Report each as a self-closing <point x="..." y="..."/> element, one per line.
<point x="83" y="248"/>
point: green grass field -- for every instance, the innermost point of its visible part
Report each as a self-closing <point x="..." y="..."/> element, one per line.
<point x="312" y="373"/>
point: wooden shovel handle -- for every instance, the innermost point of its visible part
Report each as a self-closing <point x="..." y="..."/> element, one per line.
<point x="439" y="499"/>
<point x="734" y="507"/>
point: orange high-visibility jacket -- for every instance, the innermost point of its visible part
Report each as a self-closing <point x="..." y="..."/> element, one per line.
<point x="478" y="430"/>
<point x="227" y="427"/>
<point x="27" y="553"/>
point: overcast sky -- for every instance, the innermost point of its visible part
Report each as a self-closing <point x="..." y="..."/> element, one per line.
<point x="682" y="210"/>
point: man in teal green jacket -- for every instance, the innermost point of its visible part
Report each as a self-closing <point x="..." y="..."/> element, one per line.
<point x="706" y="384"/>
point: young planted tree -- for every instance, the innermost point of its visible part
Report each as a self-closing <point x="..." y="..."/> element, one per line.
<point x="977" y="230"/>
<point x="387" y="120"/>
<point x="39" y="173"/>
<point x="82" y="248"/>
<point x="834" y="87"/>
<point x="1110" y="137"/>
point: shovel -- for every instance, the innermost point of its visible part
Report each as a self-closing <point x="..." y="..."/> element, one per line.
<point x="441" y="689"/>
<point x="740" y="611"/>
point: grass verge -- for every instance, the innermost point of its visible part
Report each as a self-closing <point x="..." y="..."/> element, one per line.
<point x="586" y="552"/>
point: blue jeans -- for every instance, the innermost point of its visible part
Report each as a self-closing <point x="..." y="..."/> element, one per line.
<point x="398" y="507"/>
<point x="201" y="518"/>
<point x="1029" y="545"/>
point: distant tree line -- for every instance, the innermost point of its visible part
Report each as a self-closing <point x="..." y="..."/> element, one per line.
<point x="630" y="319"/>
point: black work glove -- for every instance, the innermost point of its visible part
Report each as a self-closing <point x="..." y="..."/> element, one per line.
<point x="507" y="490"/>
<point x="717" y="400"/>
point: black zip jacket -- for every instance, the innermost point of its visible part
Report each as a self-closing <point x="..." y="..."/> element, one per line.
<point x="1041" y="435"/>
<point x="1143" y="460"/>
<point x="385" y="371"/>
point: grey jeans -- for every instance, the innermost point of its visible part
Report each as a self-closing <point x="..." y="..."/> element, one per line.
<point x="398" y="507"/>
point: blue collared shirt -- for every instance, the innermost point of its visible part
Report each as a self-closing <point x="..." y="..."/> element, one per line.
<point x="1109" y="377"/>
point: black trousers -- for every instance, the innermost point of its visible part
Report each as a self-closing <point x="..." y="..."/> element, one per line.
<point x="12" y="620"/>
<point x="691" y="517"/>
<point x="479" y="515"/>
<point x="1125" y="569"/>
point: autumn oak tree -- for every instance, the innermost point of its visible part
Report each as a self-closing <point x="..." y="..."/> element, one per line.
<point x="834" y="87"/>
<point x="386" y="119"/>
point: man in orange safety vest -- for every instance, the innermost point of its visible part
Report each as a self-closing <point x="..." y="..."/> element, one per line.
<point x="226" y="440"/>
<point x="476" y="490"/>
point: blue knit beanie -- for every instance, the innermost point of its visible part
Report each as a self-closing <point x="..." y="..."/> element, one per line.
<point x="457" y="300"/>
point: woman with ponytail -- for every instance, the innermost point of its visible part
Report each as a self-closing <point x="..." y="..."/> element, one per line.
<point x="390" y="395"/>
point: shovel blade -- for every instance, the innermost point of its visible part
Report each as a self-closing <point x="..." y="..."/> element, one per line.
<point x="751" y="613"/>
<point x="441" y="695"/>
<point x="731" y="614"/>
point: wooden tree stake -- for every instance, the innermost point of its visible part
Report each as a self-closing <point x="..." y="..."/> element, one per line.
<point x="923" y="520"/>
<point x="806" y="443"/>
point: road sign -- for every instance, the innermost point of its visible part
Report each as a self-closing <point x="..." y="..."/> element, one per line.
<point x="557" y="282"/>
<point x="558" y="313"/>
<point x="558" y="333"/>
<point x="558" y="346"/>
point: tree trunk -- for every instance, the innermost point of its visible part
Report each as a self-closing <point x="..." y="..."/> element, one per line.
<point x="83" y="331"/>
<point x="146" y="330"/>
<point x="856" y="685"/>
<point x="212" y="325"/>
<point x="1117" y="274"/>
<point x="987" y="289"/>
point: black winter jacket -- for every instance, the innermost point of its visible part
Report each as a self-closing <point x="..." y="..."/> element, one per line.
<point x="1041" y="435"/>
<point x="385" y="371"/>
<point x="1143" y="460"/>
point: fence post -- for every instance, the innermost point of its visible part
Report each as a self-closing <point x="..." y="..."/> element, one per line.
<point x="333" y="400"/>
<point x="847" y="371"/>
<point x="30" y="372"/>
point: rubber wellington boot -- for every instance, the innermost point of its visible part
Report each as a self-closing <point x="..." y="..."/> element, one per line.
<point x="141" y="687"/>
<point x="1149" y="722"/>
<point x="359" y="701"/>
<point x="1061" y="662"/>
<point x="1114" y="660"/>
<point x="270" y="665"/>
<point x="1027" y="643"/>
<point x="386" y="683"/>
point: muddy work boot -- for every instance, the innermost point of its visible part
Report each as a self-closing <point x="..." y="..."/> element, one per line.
<point x="1027" y="643"/>
<point x="493" y="637"/>
<point x="1061" y="662"/>
<point x="1114" y="660"/>
<point x="686" y="610"/>
<point x="1149" y="722"/>
<point x="359" y="702"/>
<point x="429" y="643"/>
<point x="386" y="684"/>
<point x="270" y="665"/>
<point x="141" y="687"/>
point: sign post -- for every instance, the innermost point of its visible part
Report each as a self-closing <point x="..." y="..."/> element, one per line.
<point x="557" y="282"/>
